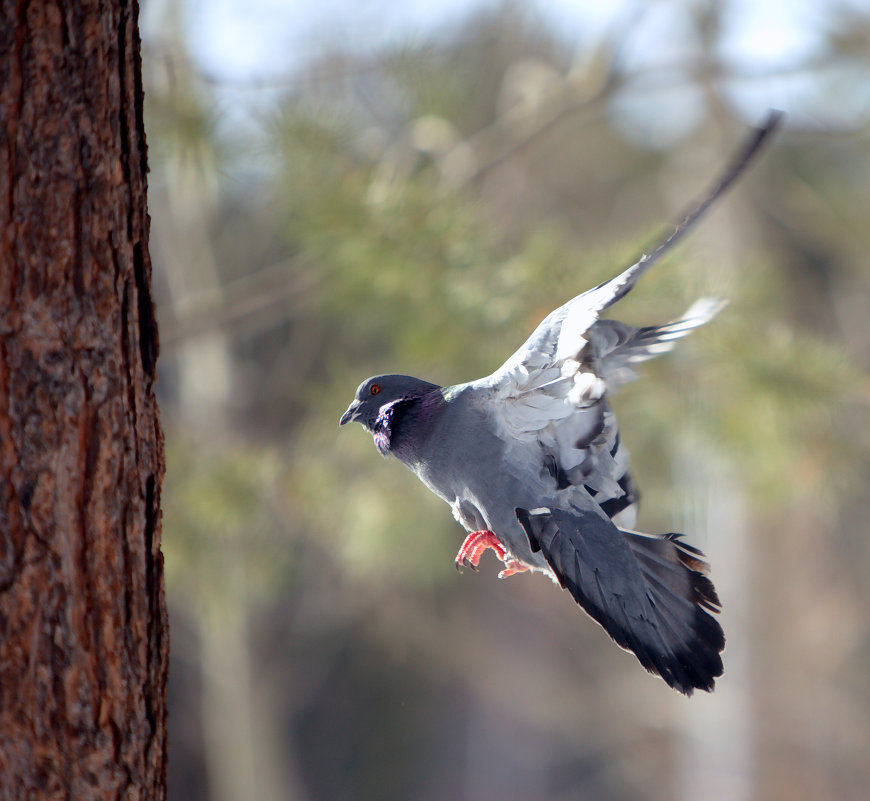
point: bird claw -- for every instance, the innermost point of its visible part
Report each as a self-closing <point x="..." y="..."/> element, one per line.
<point x="464" y="562"/>
<point x="473" y="548"/>
<point x="476" y="544"/>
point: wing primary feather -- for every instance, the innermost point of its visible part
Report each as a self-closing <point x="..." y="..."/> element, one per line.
<point x="732" y="172"/>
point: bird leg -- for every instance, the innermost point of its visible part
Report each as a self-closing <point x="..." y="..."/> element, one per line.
<point x="476" y="544"/>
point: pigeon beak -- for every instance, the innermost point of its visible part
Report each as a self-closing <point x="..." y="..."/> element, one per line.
<point x="352" y="413"/>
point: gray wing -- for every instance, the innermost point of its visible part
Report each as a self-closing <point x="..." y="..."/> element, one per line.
<point x="650" y="594"/>
<point x="580" y="440"/>
<point x="619" y="346"/>
<point x="556" y="400"/>
<point x="552" y="389"/>
<point x="564" y="333"/>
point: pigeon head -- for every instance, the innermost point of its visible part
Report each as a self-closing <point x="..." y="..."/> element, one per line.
<point x="378" y="397"/>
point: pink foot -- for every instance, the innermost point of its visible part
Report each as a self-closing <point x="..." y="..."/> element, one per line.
<point x="512" y="567"/>
<point x="476" y="544"/>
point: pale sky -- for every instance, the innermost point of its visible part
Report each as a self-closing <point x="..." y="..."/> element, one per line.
<point x="250" y="39"/>
<point x="257" y="37"/>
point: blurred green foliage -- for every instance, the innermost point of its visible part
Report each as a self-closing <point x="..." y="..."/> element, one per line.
<point x="347" y="243"/>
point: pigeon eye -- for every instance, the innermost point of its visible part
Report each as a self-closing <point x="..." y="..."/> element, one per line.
<point x="375" y="389"/>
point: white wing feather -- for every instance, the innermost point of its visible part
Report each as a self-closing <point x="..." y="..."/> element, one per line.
<point x="553" y="389"/>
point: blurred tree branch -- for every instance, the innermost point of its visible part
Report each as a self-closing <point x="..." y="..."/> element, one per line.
<point x="268" y="294"/>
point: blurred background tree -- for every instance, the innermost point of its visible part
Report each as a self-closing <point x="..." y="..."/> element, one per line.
<point x="417" y="203"/>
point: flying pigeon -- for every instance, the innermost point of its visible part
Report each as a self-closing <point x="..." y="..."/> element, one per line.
<point x="531" y="462"/>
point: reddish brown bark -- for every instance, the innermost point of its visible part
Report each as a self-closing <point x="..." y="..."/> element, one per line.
<point x="83" y="627"/>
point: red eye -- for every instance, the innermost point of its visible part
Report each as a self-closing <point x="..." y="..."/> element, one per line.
<point x="375" y="389"/>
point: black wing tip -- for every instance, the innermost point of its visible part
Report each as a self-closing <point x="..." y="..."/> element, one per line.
<point x="743" y="157"/>
<point x="772" y="121"/>
<point x="753" y="143"/>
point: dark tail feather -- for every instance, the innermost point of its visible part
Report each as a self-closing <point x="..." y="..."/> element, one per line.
<point x="651" y="594"/>
<point x="676" y="564"/>
<point x="677" y="578"/>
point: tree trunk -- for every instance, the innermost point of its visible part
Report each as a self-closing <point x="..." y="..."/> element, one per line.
<point x="83" y="626"/>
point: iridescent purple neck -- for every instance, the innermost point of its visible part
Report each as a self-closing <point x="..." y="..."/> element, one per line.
<point x="403" y="425"/>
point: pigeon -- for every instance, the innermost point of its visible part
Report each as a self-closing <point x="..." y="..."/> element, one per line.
<point x="531" y="462"/>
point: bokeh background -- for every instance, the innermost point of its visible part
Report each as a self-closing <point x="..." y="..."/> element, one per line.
<point x="345" y="188"/>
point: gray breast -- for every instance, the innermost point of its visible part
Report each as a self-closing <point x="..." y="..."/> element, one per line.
<point x="467" y="464"/>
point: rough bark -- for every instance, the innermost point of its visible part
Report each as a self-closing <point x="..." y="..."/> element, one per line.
<point x="83" y="627"/>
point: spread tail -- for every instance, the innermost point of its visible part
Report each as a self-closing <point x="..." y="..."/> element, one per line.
<point x="651" y="594"/>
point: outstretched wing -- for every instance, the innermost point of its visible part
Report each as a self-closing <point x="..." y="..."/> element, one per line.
<point x="650" y="594"/>
<point x="553" y="388"/>
<point x="620" y="346"/>
<point x="565" y="332"/>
